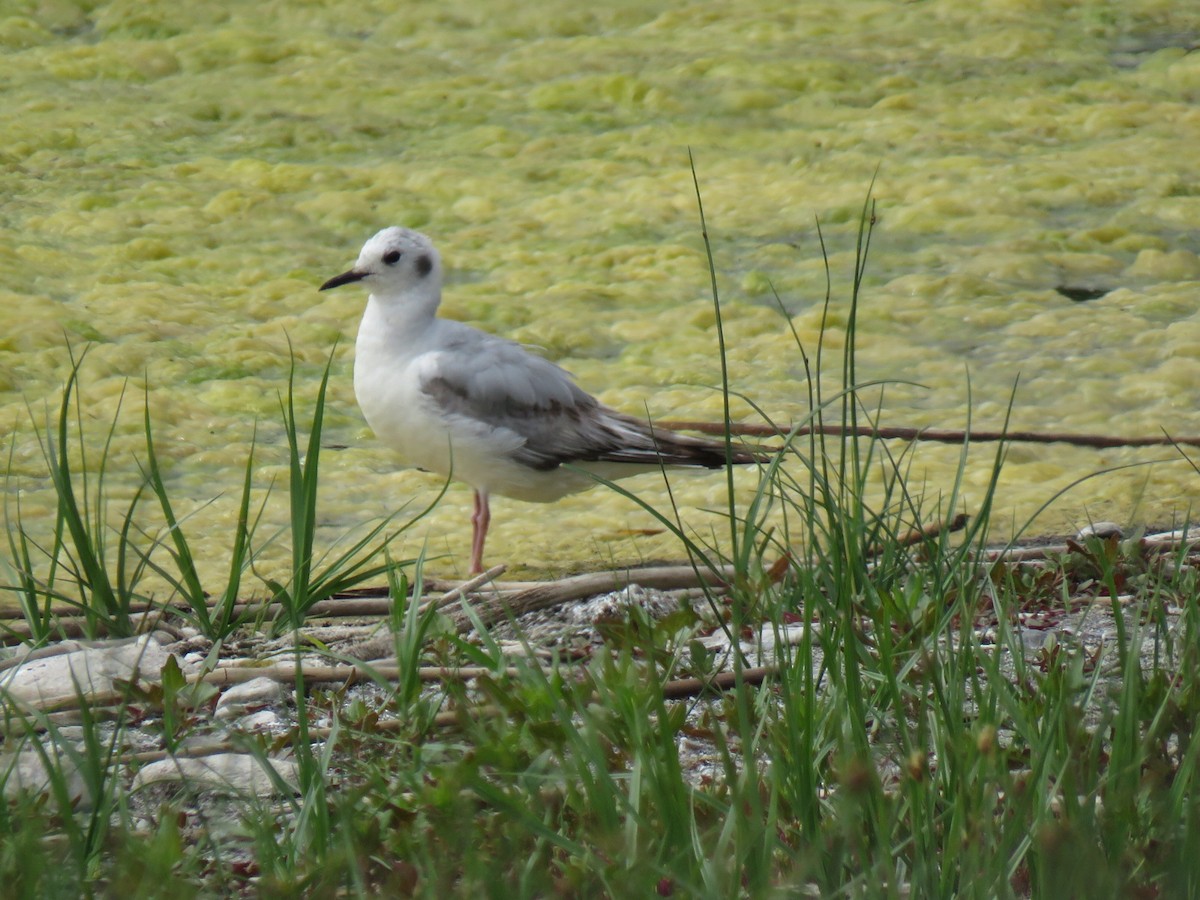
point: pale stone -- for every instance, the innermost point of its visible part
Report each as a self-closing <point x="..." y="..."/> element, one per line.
<point x="265" y="720"/>
<point x="26" y="772"/>
<point x="90" y="668"/>
<point x="247" y="696"/>
<point x="234" y="773"/>
<point x="1101" y="530"/>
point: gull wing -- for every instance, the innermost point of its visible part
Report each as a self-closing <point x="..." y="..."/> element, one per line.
<point x="485" y="384"/>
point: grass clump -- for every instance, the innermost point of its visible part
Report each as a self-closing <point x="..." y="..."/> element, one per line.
<point x="96" y="566"/>
<point x="99" y="580"/>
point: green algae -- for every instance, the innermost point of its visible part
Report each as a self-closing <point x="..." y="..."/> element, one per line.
<point x="179" y="180"/>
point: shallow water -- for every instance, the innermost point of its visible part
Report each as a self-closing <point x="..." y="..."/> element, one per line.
<point x="179" y="181"/>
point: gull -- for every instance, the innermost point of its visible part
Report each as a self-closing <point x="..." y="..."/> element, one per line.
<point x="480" y="409"/>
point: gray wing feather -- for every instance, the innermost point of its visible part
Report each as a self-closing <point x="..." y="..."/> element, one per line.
<point x="498" y="385"/>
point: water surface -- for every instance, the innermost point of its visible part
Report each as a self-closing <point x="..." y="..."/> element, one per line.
<point x="178" y="181"/>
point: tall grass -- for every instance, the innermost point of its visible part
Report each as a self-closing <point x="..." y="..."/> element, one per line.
<point x="81" y="567"/>
<point x="213" y="618"/>
<point x="96" y="563"/>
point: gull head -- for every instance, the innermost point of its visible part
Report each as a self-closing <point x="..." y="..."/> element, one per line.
<point x="396" y="262"/>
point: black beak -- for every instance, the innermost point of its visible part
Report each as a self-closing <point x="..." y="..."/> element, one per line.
<point x="344" y="278"/>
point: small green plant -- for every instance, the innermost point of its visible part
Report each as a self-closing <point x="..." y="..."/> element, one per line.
<point x="81" y="569"/>
<point x="214" y="619"/>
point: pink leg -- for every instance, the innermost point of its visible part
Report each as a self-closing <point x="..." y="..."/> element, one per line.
<point x="480" y="520"/>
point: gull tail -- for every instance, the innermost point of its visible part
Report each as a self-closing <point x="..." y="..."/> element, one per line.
<point x="642" y="443"/>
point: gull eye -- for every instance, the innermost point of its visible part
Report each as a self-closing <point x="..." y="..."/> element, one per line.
<point x="391" y="257"/>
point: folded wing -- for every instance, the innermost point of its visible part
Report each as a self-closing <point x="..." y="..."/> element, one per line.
<point x="500" y="387"/>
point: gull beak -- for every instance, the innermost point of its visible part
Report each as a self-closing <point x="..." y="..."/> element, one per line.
<point x="344" y="278"/>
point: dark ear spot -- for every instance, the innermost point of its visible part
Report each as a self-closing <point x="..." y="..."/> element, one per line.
<point x="424" y="265"/>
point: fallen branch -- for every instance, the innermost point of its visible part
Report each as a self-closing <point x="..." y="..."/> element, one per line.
<point x="722" y="681"/>
<point x="464" y="589"/>
<point x="346" y="674"/>
<point x="371" y="601"/>
<point x="377" y="603"/>
<point x="17" y="631"/>
<point x="920" y="535"/>
<point x="578" y="587"/>
<point x="940" y="435"/>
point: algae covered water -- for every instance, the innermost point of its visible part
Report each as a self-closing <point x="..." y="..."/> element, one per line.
<point x="178" y="180"/>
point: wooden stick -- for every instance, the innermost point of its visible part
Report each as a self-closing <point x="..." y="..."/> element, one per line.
<point x="18" y="630"/>
<point x="919" y="535"/>
<point x="466" y="587"/>
<point x="722" y="681"/>
<point x="348" y="674"/>
<point x="590" y="584"/>
<point x="372" y="601"/>
<point x="940" y="435"/>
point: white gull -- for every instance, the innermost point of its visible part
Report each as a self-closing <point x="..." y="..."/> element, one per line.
<point x="451" y="399"/>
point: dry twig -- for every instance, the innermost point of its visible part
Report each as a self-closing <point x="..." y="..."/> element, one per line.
<point x="578" y="587"/>
<point x="940" y="435"/>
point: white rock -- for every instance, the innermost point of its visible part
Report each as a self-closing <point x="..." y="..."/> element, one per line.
<point x="90" y="668"/>
<point x="234" y="773"/>
<point x="763" y="650"/>
<point x="1101" y="530"/>
<point x="26" y="772"/>
<point x="265" y="720"/>
<point x="248" y="696"/>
